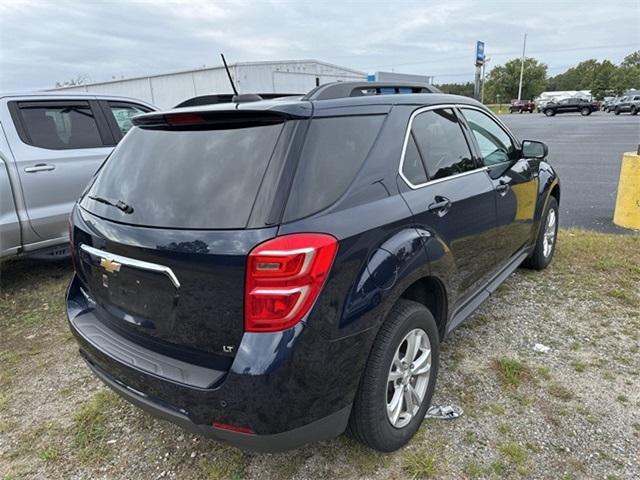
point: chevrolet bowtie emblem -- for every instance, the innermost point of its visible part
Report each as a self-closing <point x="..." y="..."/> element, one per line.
<point x="110" y="265"/>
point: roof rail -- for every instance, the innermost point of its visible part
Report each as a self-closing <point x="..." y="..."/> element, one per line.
<point x="359" y="89"/>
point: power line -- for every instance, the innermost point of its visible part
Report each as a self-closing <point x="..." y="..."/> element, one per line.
<point x="500" y="54"/>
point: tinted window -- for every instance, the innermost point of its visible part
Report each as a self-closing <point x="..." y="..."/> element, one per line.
<point x="185" y="179"/>
<point x="334" y="150"/>
<point x="495" y="144"/>
<point x="124" y="113"/>
<point x="60" y="127"/>
<point x="441" y="143"/>
<point x="412" y="166"/>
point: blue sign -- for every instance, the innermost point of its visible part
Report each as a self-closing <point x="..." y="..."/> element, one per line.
<point x="479" y="53"/>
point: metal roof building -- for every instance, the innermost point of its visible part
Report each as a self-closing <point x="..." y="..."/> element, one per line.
<point x="169" y="89"/>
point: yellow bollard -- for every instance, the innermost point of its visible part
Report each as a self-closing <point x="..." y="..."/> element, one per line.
<point x="627" y="213"/>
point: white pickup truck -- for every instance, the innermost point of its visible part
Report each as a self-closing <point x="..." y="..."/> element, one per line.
<point x="51" y="144"/>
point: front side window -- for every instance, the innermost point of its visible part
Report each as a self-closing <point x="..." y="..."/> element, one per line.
<point x="441" y="144"/>
<point x="495" y="144"/>
<point x="123" y="115"/>
<point x="60" y="127"/>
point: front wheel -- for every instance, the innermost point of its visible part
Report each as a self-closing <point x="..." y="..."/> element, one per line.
<point x="585" y="111"/>
<point x="399" y="379"/>
<point x="617" y="111"/>
<point x="549" y="113"/>
<point x="545" y="246"/>
<point x="634" y="110"/>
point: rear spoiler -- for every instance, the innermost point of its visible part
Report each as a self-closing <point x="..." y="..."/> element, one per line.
<point x="201" y="119"/>
<point x="228" y="98"/>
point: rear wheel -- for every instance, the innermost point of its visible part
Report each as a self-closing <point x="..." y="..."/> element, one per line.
<point x="549" y="113"/>
<point x="399" y="378"/>
<point x="545" y="247"/>
<point x="585" y="111"/>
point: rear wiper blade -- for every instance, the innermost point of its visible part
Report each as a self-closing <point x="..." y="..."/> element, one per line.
<point x="119" y="204"/>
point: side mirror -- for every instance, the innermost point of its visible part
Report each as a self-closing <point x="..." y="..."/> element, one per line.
<point x="534" y="149"/>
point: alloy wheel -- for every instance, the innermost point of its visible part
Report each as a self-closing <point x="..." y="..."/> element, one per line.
<point x="408" y="378"/>
<point x="549" y="236"/>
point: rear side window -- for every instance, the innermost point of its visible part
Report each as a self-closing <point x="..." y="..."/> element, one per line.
<point x="441" y="143"/>
<point x="413" y="167"/>
<point x="184" y="178"/>
<point x="334" y="151"/>
<point x="123" y="113"/>
<point x="60" y="127"/>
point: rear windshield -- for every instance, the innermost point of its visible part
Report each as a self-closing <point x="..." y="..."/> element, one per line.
<point x="184" y="179"/>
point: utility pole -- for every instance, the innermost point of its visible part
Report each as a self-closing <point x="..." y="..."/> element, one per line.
<point x="524" y="47"/>
<point x="486" y="60"/>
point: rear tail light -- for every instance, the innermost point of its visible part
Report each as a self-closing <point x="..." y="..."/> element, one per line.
<point x="284" y="277"/>
<point x="233" y="428"/>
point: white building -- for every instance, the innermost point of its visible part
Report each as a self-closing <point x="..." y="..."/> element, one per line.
<point x="169" y="89"/>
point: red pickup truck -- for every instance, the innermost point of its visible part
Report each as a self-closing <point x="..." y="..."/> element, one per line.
<point x="522" y="106"/>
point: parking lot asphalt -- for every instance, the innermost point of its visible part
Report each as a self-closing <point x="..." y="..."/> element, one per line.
<point x="587" y="153"/>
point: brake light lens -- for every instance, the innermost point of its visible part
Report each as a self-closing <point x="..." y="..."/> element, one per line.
<point x="284" y="277"/>
<point x="183" y="119"/>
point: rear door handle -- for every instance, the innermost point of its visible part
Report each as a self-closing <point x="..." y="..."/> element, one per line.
<point x="502" y="188"/>
<point x="40" y="167"/>
<point x="441" y="206"/>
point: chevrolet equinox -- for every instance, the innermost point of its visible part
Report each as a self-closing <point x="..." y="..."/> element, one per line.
<point x="274" y="272"/>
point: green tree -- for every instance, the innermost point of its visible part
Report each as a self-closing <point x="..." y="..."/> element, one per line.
<point x="631" y="60"/>
<point x="503" y="80"/>
<point x="627" y="75"/>
<point x="588" y="75"/>
<point x="465" y="89"/>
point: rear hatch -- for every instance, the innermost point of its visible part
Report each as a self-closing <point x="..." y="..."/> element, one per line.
<point x="162" y="235"/>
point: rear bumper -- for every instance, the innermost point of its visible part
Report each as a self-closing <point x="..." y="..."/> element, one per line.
<point x="323" y="429"/>
<point x="285" y="386"/>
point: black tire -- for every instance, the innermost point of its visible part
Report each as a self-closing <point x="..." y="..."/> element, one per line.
<point x="634" y="110"/>
<point x="538" y="260"/>
<point x="369" y="422"/>
<point x="549" y="112"/>
<point x="585" y="111"/>
<point x="617" y="111"/>
<point x="511" y="110"/>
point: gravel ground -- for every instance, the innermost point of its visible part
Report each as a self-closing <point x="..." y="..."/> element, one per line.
<point x="570" y="413"/>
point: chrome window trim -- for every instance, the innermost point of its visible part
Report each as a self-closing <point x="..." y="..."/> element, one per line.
<point x="132" y="262"/>
<point x="428" y="108"/>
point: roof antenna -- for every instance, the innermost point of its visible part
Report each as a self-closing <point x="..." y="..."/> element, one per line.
<point x="235" y="91"/>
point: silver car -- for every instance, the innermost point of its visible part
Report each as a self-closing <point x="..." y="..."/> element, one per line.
<point x="51" y="144"/>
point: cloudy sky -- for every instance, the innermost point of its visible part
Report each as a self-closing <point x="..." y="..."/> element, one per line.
<point x="42" y="41"/>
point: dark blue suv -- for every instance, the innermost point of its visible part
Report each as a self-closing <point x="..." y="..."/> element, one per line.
<point x="270" y="273"/>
